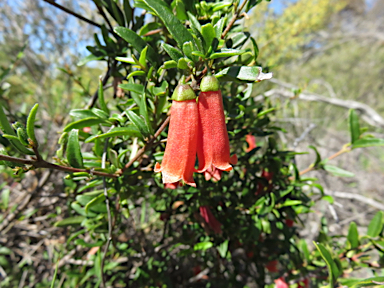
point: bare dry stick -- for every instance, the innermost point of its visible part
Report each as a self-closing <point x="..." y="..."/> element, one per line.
<point x="44" y="164"/>
<point x="66" y="10"/>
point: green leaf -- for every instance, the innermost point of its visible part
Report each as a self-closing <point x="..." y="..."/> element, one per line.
<point x="174" y="53"/>
<point x="169" y="64"/>
<point x="89" y="58"/>
<point x="369" y="282"/>
<point x="353" y="235"/>
<point x="223" y="248"/>
<point x="227" y="53"/>
<point x="31" y="123"/>
<point x="291" y="203"/>
<point x="5" y="197"/>
<point x="237" y="40"/>
<point x="86" y="122"/>
<point x="368" y="142"/>
<point x="7" y="129"/>
<point x="117" y="14"/>
<point x="354" y="126"/>
<point x="130" y="130"/>
<point x="128" y="12"/>
<point x="82" y="113"/>
<point x="137" y="43"/>
<point x="255" y="49"/>
<point x="102" y="103"/>
<point x="318" y="157"/>
<point x="326" y="255"/>
<point x="139" y="123"/>
<point x="128" y="60"/>
<point x="203" y="246"/>
<point x="144" y="113"/>
<point x="376" y="225"/>
<point x="209" y="34"/>
<point x="194" y="22"/>
<point x="219" y="27"/>
<point x="137" y="88"/>
<point x="188" y="49"/>
<point x="97" y="204"/>
<point x="143" y="56"/>
<point x="242" y="74"/>
<point x="75" y="220"/>
<point x="74" y="157"/>
<point x="174" y="26"/>
<point x="336" y="171"/>
<point x="136" y="73"/>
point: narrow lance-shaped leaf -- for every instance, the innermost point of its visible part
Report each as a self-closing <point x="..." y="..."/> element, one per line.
<point x="329" y="261"/>
<point x="139" y="122"/>
<point x="138" y="43"/>
<point x="31" y="123"/>
<point x="354" y="126"/>
<point x="174" y="26"/>
<point x="243" y="74"/>
<point x="174" y="53"/>
<point x="353" y="235"/>
<point x="86" y="122"/>
<point x="102" y="103"/>
<point x="376" y="225"/>
<point x="74" y="157"/>
<point x="338" y="171"/>
<point x="368" y="142"/>
<point x="130" y="130"/>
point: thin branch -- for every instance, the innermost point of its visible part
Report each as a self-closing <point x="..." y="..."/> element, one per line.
<point x="149" y="143"/>
<point x="92" y="102"/>
<point x="44" y="164"/>
<point x="233" y="20"/>
<point x="66" y="10"/>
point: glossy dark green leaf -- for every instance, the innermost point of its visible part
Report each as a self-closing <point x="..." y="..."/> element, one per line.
<point x="130" y="130"/>
<point x="255" y="48"/>
<point x="137" y="88"/>
<point x="173" y="52"/>
<point x="188" y="49"/>
<point x="338" y="171"/>
<point x="353" y="235"/>
<point x="354" y="126"/>
<point x="368" y="142"/>
<point x="117" y="14"/>
<point x="219" y="27"/>
<point x="128" y="12"/>
<point x="376" y="225"/>
<point x="137" y="43"/>
<point x="180" y="10"/>
<point x="144" y="113"/>
<point x="139" y="123"/>
<point x="242" y="74"/>
<point x="194" y="22"/>
<point x="174" y="26"/>
<point x="170" y="64"/>
<point x="74" y="157"/>
<point x="97" y="204"/>
<point x="31" y="123"/>
<point x="86" y="122"/>
<point x="227" y="53"/>
<point x="82" y="113"/>
<point x="209" y="34"/>
<point x="237" y="40"/>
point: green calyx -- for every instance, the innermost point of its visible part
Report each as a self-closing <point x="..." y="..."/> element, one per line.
<point x="209" y="83"/>
<point x="183" y="92"/>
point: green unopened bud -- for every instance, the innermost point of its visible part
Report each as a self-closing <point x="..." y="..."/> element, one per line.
<point x="23" y="137"/>
<point x="209" y="83"/>
<point x="183" y="92"/>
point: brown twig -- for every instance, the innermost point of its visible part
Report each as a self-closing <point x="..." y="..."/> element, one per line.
<point x="149" y="143"/>
<point x="153" y="32"/>
<point x="44" y="164"/>
<point x="233" y="20"/>
<point x="313" y="167"/>
<point x="66" y="10"/>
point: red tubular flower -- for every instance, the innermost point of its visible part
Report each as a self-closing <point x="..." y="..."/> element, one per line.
<point x="272" y="266"/>
<point x="213" y="142"/>
<point x="180" y="152"/>
<point x="211" y="221"/>
<point x="280" y="283"/>
<point x="251" y="141"/>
